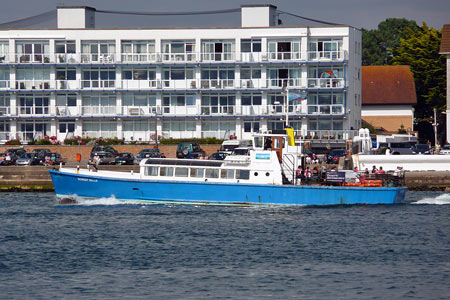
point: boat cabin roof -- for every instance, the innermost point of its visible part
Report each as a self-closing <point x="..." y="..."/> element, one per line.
<point x="183" y="162"/>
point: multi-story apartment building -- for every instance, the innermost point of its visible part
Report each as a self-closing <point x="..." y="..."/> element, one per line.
<point x="178" y="82"/>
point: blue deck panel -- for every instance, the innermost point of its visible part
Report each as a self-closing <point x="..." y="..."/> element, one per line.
<point x="91" y="186"/>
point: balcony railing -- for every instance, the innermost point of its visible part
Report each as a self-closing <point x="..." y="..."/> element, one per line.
<point x="4" y="84"/>
<point x="98" y="84"/>
<point x="97" y="134"/>
<point x="5" y="110"/>
<point x="33" y="58"/>
<point x="326" y="109"/>
<point x="33" y="110"/>
<point x="326" y="83"/>
<point x="4" y="136"/>
<point x="104" y="58"/>
<point x="159" y="57"/>
<point x="33" y="84"/>
<point x="100" y="110"/>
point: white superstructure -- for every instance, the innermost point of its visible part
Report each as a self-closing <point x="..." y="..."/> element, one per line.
<point x="191" y="82"/>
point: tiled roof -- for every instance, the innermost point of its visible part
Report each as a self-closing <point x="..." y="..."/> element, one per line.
<point x="445" y="42"/>
<point x="389" y="85"/>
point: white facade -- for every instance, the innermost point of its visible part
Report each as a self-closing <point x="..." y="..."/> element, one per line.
<point x="193" y="82"/>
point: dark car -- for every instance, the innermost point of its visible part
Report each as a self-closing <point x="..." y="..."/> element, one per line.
<point x="124" y="158"/>
<point x="16" y="152"/>
<point x="104" y="148"/>
<point x="148" y="153"/>
<point x="218" y="155"/>
<point x="53" y="158"/>
<point x="41" y="151"/>
<point x="334" y="156"/>
<point x="421" y="149"/>
<point x="190" y="150"/>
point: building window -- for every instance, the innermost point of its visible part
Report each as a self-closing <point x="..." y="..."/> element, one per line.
<point x="32" y="51"/>
<point x="4" y="77"/>
<point x="251" y="99"/>
<point x="32" y="130"/>
<point x="99" y="104"/>
<point x="4" y="130"/>
<point x="217" y="77"/>
<point x="33" y="104"/>
<point x="328" y="49"/>
<point x="251" y="126"/>
<point x="284" y="49"/>
<point x="32" y="78"/>
<point x="218" y="50"/>
<point x="65" y="52"/>
<point x="98" y="78"/>
<point x="105" y="129"/>
<point x="5" y="105"/>
<point x="218" y="104"/>
<point x="218" y="129"/>
<point x="4" y="51"/>
<point x="138" y="51"/>
<point x="98" y="51"/>
<point x="179" y="50"/>
<point x="251" y="45"/>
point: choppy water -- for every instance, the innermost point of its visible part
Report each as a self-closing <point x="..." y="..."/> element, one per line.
<point x="104" y="250"/>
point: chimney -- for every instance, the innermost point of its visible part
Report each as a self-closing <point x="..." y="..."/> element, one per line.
<point x="258" y="15"/>
<point x="75" y="17"/>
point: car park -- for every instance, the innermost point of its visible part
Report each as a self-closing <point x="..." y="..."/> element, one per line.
<point x="218" y="155"/>
<point x="190" y="150"/>
<point x="445" y="150"/>
<point x="334" y="155"/>
<point x="28" y="159"/>
<point x="148" y="153"/>
<point x="124" y="158"/>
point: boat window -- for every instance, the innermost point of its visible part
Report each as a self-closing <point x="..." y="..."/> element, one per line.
<point x="258" y="142"/>
<point x="166" y="171"/>
<point x="212" y="173"/>
<point x="197" y="172"/>
<point x="181" y="172"/>
<point x="227" y="174"/>
<point x="151" y="171"/>
<point x="242" y="174"/>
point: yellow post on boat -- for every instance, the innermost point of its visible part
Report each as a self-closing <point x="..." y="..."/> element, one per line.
<point x="290" y="133"/>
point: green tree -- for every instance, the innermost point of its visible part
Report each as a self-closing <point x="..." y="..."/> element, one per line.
<point x="377" y="44"/>
<point x="420" y="50"/>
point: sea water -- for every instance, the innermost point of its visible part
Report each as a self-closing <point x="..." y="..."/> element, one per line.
<point x="103" y="249"/>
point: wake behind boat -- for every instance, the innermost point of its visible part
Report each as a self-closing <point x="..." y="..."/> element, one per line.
<point x="264" y="177"/>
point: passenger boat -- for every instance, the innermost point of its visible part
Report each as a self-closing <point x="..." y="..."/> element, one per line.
<point x="264" y="177"/>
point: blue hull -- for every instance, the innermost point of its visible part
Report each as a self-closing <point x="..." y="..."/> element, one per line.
<point x="204" y="193"/>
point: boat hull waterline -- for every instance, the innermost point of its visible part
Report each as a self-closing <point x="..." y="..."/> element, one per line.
<point x="69" y="185"/>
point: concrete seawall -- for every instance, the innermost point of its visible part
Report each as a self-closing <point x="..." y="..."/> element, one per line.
<point x="37" y="178"/>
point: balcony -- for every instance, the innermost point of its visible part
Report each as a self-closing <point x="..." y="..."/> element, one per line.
<point x="33" y="84"/>
<point x="33" y="110"/>
<point x="98" y="84"/>
<point x="326" y="83"/>
<point x="5" y="111"/>
<point x="100" y="111"/>
<point x="289" y="82"/>
<point x="33" y="58"/>
<point x="326" y="109"/>
<point x="4" y="84"/>
<point x="95" y="58"/>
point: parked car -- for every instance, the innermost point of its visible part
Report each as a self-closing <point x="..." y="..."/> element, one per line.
<point x="218" y="155"/>
<point x="53" y="158"/>
<point x="421" y="149"/>
<point x="148" y="153"/>
<point x="29" y="159"/>
<point x="16" y="152"/>
<point x="334" y="155"/>
<point x="124" y="158"/>
<point x="445" y="150"/>
<point x="190" y="150"/>
<point x="104" y="158"/>
<point x="104" y="148"/>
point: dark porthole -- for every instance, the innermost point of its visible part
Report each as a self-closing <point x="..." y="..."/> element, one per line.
<point x="267" y="174"/>
<point x="256" y="174"/>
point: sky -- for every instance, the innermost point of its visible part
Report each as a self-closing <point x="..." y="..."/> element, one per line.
<point x="358" y="13"/>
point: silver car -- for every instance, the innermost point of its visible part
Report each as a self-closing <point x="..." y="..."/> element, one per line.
<point x="445" y="150"/>
<point x="28" y="159"/>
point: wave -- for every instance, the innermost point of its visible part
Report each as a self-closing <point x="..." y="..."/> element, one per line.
<point x="439" y="200"/>
<point x="102" y="201"/>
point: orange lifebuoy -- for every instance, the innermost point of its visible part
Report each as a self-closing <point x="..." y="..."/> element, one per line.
<point x="78" y="157"/>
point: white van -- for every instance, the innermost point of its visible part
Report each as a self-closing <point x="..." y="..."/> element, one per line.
<point x="229" y="145"/>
